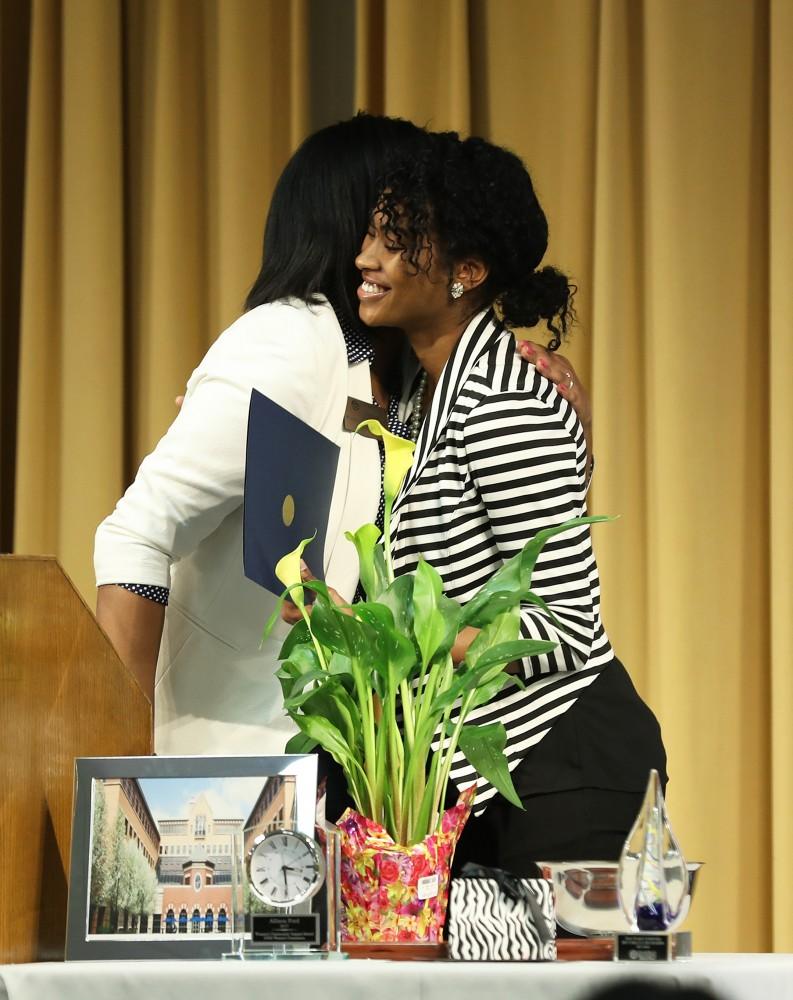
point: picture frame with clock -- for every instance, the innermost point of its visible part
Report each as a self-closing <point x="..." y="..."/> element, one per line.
<point x="290" y="888"/>
<point x="158" y="855"/>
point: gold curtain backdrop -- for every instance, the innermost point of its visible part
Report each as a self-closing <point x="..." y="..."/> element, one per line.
<point x="660" y="138"/>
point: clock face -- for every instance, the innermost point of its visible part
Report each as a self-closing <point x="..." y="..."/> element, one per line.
<point x="285" y="868"/>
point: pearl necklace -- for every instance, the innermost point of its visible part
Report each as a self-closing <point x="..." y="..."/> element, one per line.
<point x="418" y="406"/>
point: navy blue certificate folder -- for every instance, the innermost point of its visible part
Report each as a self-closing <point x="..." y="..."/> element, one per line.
<point x="290" y="469"/>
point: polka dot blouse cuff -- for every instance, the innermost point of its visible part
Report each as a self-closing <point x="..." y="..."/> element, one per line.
<point x="157" y="594"/>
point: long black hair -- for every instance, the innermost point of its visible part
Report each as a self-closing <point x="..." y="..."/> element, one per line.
<point x="320" y="210"/>
<point x="462" y="198"/>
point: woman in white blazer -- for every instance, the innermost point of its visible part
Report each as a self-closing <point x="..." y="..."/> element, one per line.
<point x="500" y="455"/>
<point x="179" y="526"/>
<point x="176" y="535"/>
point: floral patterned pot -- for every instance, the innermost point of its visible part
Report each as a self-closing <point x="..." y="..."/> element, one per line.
<point x="395" y="893"/>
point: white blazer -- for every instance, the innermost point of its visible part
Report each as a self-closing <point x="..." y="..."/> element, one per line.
<point x="179" y="525"/>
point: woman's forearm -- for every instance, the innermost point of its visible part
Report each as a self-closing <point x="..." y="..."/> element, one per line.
<point x="462" y="642"/>
<point x="134" y="626"/>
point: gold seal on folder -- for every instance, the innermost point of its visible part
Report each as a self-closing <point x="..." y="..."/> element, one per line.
<point x="288" y="510"/>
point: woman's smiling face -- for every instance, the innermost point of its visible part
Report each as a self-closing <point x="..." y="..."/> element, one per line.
<point x="393" y="292"/>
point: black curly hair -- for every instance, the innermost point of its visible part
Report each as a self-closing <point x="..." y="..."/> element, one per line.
<point x="470" y="198"/>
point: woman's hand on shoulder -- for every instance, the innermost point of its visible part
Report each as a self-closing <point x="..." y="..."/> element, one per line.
<point x="560" y="371"/>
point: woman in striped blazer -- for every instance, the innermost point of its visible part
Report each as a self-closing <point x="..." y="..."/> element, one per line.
<point x="501" y="454"/>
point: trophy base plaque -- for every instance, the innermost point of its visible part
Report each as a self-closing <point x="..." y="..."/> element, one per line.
<point x="647" y="947"/>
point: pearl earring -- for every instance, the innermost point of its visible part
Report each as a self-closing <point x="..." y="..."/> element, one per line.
<point x="456" y="290"/>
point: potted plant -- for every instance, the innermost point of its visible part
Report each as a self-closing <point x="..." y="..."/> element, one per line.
<point x="373" y="683"/>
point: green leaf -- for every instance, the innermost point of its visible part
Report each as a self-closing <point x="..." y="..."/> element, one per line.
<point x="490" y="604"/>
<point x="486" y="692"/>
<point x="506" y="652"/>
<point x="532" y="598"/>
<point x="401" y="657"/>
<point x="300" y="743"/>
<point x="504" y="628"/>
<point x="380" y="572"/>
<point x="276" y="615"/>
<point x="329" y="628"/>
<point x="399" y="599"/>
<point x="421" y="822"/>
<point x="428" y="622"/>
<point x="345" y="634"/>
<point x="327" y="736"/>
<point x="446" y="698"/>
<point x="398" y="652"/>
<point x="509" y="585"/>
<point x="303" y="660"/>
<point x="483" y="747"/>
<point x="390" y="818"/>
<point x="379" y="616"/>
<point x="322" y="594"/>
<point x="452" y="613"/>
<point x="381" y="761"/>
<point x="298" y="693"/>
<point x="489" y="666"/>
<point x="340" y="665"/>
<point x="298" y="635"/>
<point x="465" y="680"/>
<point x="331" y="701"/>
<point x="531" y="551"/>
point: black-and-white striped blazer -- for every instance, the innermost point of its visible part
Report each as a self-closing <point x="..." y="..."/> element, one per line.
<point x="502" y="454"/>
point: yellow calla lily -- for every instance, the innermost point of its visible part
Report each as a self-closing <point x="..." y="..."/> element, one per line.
<point x="398" y="457"/>
<point x="288" y="571"/>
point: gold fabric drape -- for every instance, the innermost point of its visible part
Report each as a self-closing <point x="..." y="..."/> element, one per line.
<point x="778" y="364"/>
<point x="659" y="136"/>
<point x="155" y="134"/>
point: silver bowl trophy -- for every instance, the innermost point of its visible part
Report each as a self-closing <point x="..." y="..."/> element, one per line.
<point x="639" y="901"/>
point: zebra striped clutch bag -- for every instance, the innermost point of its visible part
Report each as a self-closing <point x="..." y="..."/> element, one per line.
<point x="498" y="917"/>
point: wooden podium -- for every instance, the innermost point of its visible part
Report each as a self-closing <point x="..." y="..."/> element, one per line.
<point x="64" y="693"/>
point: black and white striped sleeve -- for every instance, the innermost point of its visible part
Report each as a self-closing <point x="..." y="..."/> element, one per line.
<point x="526" y="456"/>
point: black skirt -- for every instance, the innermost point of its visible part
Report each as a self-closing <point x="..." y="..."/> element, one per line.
<point x="581" y="786"/>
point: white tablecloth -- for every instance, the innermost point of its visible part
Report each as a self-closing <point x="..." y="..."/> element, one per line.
<point x="731" y="977"/>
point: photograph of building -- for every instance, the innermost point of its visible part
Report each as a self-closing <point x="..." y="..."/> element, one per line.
<point x="274" y="809"/>
<point x="162" y="850"/>
<point x="124" y="795"/>
<point x="194" y="871"/>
